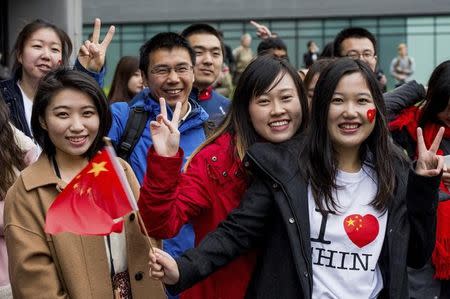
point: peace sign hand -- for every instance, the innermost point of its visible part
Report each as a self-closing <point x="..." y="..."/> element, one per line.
<point x="428" y="163"/>
<point x="165" y="134"/>
<point x="92" y="53"/>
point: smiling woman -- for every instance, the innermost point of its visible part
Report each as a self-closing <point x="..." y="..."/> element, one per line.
<point x="66" y="123"/>
<point x="72" y="123"/>
<point x="267" y="106"/>
<point x="350" y="210"/>
<point x="41" y="47"/>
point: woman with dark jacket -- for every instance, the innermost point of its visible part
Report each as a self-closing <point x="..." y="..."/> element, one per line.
<point x="39" y="48"/>
<point x="433" y="280"/>
<point x="271" y="97"/>
<point x="345" y="221"/>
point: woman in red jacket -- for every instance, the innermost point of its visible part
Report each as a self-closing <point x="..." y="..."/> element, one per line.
<point x="432" y="281"/>
<point x="269" y="105"/>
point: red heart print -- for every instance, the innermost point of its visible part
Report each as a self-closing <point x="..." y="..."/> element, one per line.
<point x="361" y="230"/>
<point x="371" y="115"/>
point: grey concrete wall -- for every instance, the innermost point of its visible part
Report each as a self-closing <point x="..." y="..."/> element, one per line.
<point x="124" y="11"/>
<point x="66" y="14"/>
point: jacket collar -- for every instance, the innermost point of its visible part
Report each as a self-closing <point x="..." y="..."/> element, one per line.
<point x="197" y="116"/>
<point x="279" y="161"/>
<point x="40" y="174"/>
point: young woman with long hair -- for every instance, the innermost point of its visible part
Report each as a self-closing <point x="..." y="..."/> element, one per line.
<point x="127" y="81"/>
<point x="344" y="221"/>
<point x="70" y="117"/>
<point x="269" y="105"/>
<point x="39" y="48"/>
<point x="434" y="279"/>
<point x="16" y="152"/>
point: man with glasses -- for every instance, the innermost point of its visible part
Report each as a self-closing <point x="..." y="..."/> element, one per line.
<point x="359" y="43"/>
<point x="166" y="63"/>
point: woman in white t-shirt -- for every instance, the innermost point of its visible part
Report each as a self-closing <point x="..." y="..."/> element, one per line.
<point x="338" y="213"/>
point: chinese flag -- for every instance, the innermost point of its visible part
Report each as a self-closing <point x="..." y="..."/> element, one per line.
<point x="93" y="202"/>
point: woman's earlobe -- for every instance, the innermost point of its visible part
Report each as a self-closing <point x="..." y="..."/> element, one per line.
<point x="43" y="123"/>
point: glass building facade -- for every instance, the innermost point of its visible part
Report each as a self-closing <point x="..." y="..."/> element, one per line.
<point x="428" y="38"/>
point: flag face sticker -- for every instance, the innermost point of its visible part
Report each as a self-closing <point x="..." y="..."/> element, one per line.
<point x="371" y="115"/>
<point x="92" y="202"/>
<point x="361" y="230"/>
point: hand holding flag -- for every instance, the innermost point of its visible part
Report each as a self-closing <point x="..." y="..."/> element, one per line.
<point x="94" y="201"/>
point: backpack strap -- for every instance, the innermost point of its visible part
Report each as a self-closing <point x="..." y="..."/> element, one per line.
<point x="137" y="119"/>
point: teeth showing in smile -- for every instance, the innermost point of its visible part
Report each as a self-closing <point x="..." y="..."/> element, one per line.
<point x="279" y="123"/>
<point x="349" y="126"/>
<point x="174" y="91"/>
<point x="76" y="139"/>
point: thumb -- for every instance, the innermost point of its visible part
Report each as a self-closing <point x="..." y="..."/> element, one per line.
<point x="164" y="259"/>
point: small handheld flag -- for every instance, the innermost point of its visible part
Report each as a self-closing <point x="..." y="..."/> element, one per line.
<point x="94" y="202"/>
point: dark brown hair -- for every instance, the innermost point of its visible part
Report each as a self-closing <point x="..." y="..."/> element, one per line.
<point x="316" y="68"/>
<point x="258" y="77"/>
<point x="11" y="156"/>
<point x="352" y="32"/>
<point x="438" y="93"/>
<point x="49" y="86"/>
<point x="26" y="33"/>
<point x="125" y="69"/>
<point x="377" y="151"/>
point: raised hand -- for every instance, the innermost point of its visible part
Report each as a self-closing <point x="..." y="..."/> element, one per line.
<point x="92" y="53"/>
<point x="261" y="31"/>
<point x="163" y="267"/>
<point x="428" y="163"/>
<point x="165" y="134"/>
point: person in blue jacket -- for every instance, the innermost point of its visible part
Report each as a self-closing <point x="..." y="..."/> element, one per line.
<point x="39" y="48"/>
<point x="166" y="62"/>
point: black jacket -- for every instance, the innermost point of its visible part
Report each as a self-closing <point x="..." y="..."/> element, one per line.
<point x="274" y="215"/>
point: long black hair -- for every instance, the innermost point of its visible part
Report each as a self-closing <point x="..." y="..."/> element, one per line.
<point x="377" y="150"/>
<point x="438" y="93"/>
<point x="11" y="156"/>
<point x="49" y="86"/>
<point x="258" y="78"/>
<point x="27" y="32"/>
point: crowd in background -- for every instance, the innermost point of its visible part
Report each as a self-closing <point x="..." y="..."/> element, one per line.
<point x="254" y="178"/>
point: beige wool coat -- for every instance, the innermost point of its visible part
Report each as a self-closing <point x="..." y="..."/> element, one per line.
<point x="65" y="265"/>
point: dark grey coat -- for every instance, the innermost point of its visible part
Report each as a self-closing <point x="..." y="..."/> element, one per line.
<point x="274" y="216"/>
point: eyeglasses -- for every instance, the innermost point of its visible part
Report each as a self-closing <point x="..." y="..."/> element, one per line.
<point x="356" y="55"/>
<point x="163" y="71"/>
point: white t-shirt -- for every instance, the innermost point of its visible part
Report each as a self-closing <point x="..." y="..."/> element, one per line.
<point x="28" y="105"/>
<point x="118" y="250"/>
<point x="346" y="245"/>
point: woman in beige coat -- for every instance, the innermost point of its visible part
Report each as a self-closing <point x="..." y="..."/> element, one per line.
<point x="70" y="117"/>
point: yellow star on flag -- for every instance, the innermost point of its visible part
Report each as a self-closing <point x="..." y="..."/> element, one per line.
<point x="351" y="222"/>
<point x="97" y="168"/>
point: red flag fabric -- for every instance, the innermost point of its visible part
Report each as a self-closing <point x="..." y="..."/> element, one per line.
<point x="93" y="201"/>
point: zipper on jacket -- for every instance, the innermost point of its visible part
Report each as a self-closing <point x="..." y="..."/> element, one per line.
<point x="305" y="256"/>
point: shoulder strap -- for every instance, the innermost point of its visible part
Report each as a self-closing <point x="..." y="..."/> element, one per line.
<point x="137" y="119"/>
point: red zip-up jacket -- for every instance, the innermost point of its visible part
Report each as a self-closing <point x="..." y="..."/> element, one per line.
<point x="210" y="188"/>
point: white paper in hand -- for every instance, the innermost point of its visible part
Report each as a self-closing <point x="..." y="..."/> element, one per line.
<point x="447" y="160"/>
